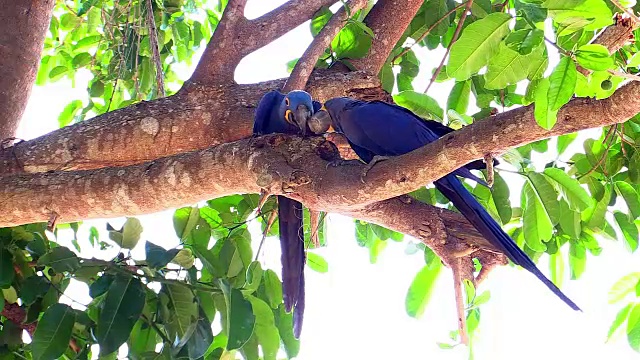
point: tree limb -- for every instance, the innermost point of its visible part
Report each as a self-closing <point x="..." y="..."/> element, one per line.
<point x="195" y="118"/>
<point x="261" y="31"/>
<point x="388" y="20"/>
<point x="301" y="72"/>
<point x="25" y="25"/>
<point x="221" y="56"/>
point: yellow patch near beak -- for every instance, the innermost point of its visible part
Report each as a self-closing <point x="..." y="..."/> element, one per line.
<point x="286" y="116"/>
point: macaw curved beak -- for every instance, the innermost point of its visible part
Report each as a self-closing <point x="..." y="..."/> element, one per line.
<point x="301" y="116"/>
<point x="320" y="122"/>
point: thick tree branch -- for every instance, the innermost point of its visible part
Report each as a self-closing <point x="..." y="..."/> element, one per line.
<point x="265" y="29"/>
<point x="221" y="56"/>
<point x="25" y="25"/>
<point x="236" y="37"/>
<point x="195" y="118"/>
<point x="388" y="20"/>
<point x="301" y="72"/>
<point x="188" y="178"/>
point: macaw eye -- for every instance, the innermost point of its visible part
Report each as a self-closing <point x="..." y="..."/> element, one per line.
<point x="286" y="101"/>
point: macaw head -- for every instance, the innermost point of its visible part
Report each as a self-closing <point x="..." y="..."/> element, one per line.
<point x="297" y="109"/>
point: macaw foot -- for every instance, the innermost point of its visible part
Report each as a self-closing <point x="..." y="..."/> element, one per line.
<point x="376" y="159"/>
<point x="342" y="162"/>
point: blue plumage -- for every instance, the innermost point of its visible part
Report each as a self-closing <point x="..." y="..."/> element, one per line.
<point x="378" y="128"/>
<point x="280" y="113"/>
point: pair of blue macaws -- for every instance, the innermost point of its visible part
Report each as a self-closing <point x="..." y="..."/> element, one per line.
<point x="374" y="130"/>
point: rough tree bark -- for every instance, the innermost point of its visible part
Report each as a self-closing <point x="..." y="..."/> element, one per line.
<point x="24" y="26"/>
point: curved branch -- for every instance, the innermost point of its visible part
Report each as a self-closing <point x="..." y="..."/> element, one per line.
<point x="301" y="72"/>
<point x="388" y="20"/>
<point x="236" y="37"/>
<point x="221" y="56"/>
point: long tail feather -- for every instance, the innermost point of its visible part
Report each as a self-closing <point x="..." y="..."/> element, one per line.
<point x="293" y="256"/>
<point x="451" y="187"/>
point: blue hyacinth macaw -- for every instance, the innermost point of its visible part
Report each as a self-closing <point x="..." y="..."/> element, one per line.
<point x="377" y="129"/>
<point x="280" y="113"/>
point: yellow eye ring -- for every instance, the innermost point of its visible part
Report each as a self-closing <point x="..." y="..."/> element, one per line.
<point x="286" y="101"/>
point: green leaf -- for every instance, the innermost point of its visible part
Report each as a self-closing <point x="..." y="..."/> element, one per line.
<point x="562" y="83"/>
<point x="635" y="60"/>
<point x="66" y="116"/>
<point x="537" y="225"/>
<point x="184" y="258"/>
<point x="500" y="193"/>
<point x="53" y="333"/>
<point x="273" y="288"/>
<point x="317" y="262"/>
<point x="129" y="235"/>
<point x="7" y="272"/>
<point x="509" y="67"/>
<point x="352" y="42"/>
<point x="284" y="322"/>
<point x="183" y="310"/>
<point x="570" y="189"/>
<point x="101" y="285"/>
<point x="387" y="78"/>
<point x="421" y="289"/>
<point x="185" y="220"/>
<point x="630" y="197"/>
<point x="569" y="221"/>
<point x="565" y="140"/>
<point x="320" y="19"/>
<point x="123" y="305"/>
<point x="594" y="57"/>
<point x="435" y="10"/>
<point x="202" y="338"/>
<point x="621" y="317"/>
<point x="157" y="256"/>
<point x="623" y="287"/>
<point x="596" y="11"/>
<point x="265" y="328"/>
<point x="547" y="194"/>
<point x="420" y="104"/>
<point x="61" y="259"/>
<point x="57" y="72"/>
<point x="545" y="117"/>
<point x="459" y="97"/>
<point x="629" y="230"/>
<point x="81" y="60"/>
<point x="240" y="318"/>
<point x="477" y="44"/>
<point x="577" y="259"/>
<point x="633" y="328"/>
<point x="33" y="287"/>
<point x="524" y="40"/>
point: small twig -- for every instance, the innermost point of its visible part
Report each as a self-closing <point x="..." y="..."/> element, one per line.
<point x="301" y="72"/>
<point x="155" y="50"/>
<point x="155" y="327"/>
<point x="488" y="159"/>
<point x="314" y="225"/>
<point x="560" y="50"/>
<point x="626" y="10"/>
<point x="429" y="30"/>
<point x="624" y="75"/>
<point x="467" y="9"/>
<point x="458" y="284"/>
<point x="604" y="153"/>
<point x="270" y="221"/>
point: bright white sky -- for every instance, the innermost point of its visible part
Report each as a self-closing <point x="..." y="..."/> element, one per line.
<point x="356" y="310"/>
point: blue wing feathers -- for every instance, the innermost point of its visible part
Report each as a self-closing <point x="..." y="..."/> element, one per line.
<point x="378" y="128"/>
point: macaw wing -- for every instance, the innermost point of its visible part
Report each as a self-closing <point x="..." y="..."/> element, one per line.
<point x="379" y="128"/>
<point x="262" y="117"/>
<point x="316" y="106"/>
